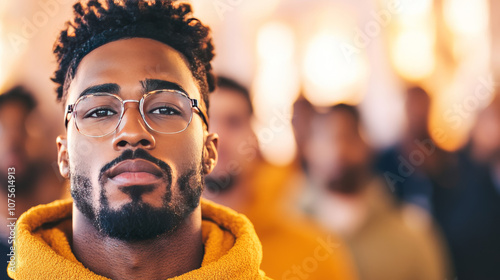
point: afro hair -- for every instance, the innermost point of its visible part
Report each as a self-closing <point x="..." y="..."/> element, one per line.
<point x="167" y="21"/>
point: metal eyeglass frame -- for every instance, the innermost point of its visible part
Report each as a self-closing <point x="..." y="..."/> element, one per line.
<point x="194" y="104"/>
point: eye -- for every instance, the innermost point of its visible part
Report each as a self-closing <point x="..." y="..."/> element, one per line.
<point x="100" y="113"/>
<point x="165" y="111"/>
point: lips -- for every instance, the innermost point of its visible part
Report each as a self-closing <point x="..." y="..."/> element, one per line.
<point x="134" y="172"/>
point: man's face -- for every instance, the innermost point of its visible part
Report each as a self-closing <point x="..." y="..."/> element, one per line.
<point x="417" y="112"/>
<point x="336" y="154"/>
<point x="230" y="118"/>
<point x="135" y="183"/>
<point x="13" y="135"/>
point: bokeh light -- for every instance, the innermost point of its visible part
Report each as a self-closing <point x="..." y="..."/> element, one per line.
<point x="466" y="17"/>
<point x="275" y="87"/>
<point x="413" y="55"/>
<point x="331" y="74"/>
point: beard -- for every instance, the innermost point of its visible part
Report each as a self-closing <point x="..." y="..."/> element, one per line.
<point x="220" y="184"/>
<point x="352" y="180"/>
<point x="137" y="220"/>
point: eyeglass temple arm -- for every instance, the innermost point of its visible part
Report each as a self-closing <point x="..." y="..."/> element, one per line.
<point x="200" y="112"/>
<point x="69" y="110"/>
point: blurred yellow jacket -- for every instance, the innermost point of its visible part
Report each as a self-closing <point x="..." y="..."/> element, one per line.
<point x="293" y="249"/>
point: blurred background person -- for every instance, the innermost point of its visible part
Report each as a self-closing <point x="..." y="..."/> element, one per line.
<point x="387" y="242"/>
<point x="303" y="111"/>
<point x="239" y="151"/>
<point x="244" y="181"/>
<point x="415" y="166"/>
<point x="458" y="189"/>
<point x="35" y="180"/>
<point x="296" y="201"/>
<point x="469" y="212"/>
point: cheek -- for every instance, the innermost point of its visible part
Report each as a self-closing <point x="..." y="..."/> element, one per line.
<point x="182" y="151"/>
<point x="86" y="157"/>
<point x="78" y="151"/>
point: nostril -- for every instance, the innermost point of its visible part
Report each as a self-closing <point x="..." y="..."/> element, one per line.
<point x="144" y="142"/>
<point x="122" y="143"/>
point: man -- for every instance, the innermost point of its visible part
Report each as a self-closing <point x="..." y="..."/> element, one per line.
<point x="134" y="78"/>
<point x="468" y="212"/>
<point x="434" y="168"/>
<point x="387" y="243"/>
<point x="231" y="114"/>
<point x="244" y="181"/>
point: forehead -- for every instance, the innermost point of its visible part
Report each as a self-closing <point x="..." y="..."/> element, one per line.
<point x="127" y="62"/>
<point x="335" y="122"/>
<point x="12" y="110"/>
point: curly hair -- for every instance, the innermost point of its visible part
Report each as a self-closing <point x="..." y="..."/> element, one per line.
<point x="167" y="21"/>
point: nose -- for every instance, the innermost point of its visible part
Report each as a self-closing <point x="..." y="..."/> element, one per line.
<point x="132" y="132"/>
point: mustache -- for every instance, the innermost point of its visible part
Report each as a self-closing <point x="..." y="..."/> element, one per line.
<point x="137" y="154"/>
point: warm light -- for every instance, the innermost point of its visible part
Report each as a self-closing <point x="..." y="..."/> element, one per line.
<point x="413" y="54"/>
<point x="275" y="87"/>
<point x="275" y="42"/>
<point x="467" y="17"/>
<point x="276" y="82"/>
<point x="255" y="9"/>
<point x="274" y="90"/>
<point x="413" y="8"/>
<point x="276" y="139"/>
<point x="217" y="12"/>
<point x="331" y="70"/>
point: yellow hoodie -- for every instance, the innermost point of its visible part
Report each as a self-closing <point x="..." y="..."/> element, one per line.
<point x="232" y="249"/>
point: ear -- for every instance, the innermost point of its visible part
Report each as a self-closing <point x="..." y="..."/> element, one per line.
<point x="62" y="155"/>
<point x="210" y="152"/>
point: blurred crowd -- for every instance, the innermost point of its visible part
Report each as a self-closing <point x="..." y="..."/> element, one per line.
<point x="411" y="211"/>
<point x="343" y="209"/>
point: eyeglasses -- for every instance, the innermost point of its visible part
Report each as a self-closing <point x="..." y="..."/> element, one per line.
<point x="164" y="111"/>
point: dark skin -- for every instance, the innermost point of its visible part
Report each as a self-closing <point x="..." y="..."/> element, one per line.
<point x="336" y="153"/>
<point x="230" y="117"/>
<point x="127" y="63"/>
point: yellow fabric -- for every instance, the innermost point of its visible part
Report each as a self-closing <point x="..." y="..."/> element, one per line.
<point x="293" y="249"/>
<point x="232" y="249"/>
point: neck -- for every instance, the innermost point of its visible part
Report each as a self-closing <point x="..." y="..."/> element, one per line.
<point x="166" y="256"/>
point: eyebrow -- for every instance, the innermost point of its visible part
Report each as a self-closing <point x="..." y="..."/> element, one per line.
<point x="148" y="85"/>
<point x="154" y="84"/>
<point x="107" y="88"/>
